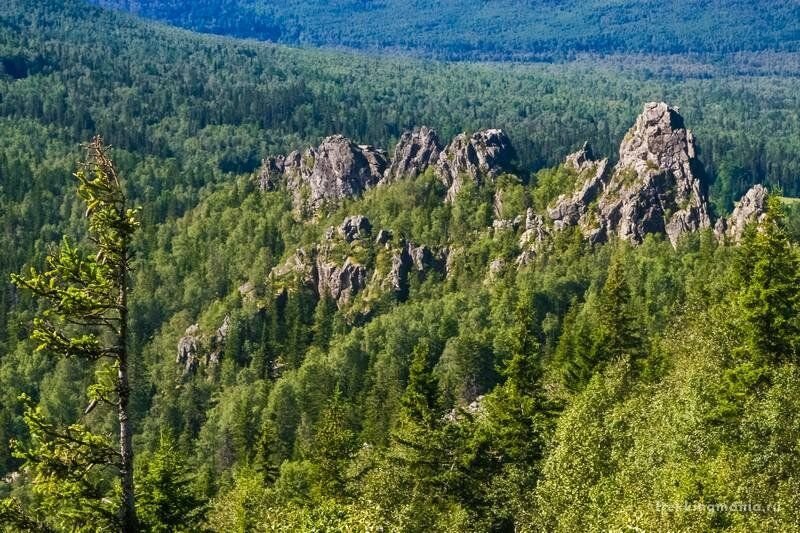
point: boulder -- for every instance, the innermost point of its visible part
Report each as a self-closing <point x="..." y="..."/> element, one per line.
<point x="414" y="153"/>
<point x="483" y="155"/>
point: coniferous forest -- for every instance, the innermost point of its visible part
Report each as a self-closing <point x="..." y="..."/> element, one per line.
<point x="252" y="287"/>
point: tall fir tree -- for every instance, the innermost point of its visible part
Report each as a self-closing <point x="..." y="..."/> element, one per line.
<point x="87" y="318"/>
<point x="768" y="268"/>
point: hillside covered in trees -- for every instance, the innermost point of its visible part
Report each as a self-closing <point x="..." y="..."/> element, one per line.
<point x="500" y="30"/>
<point x="475" y="323"/>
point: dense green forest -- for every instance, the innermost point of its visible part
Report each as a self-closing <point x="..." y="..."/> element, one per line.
<point x="599" y="387"/>
<point x="500" y="30"/>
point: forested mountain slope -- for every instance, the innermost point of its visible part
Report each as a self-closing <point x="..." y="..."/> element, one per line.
<point x="441" y="331"/>
<point x="534" y="29"/>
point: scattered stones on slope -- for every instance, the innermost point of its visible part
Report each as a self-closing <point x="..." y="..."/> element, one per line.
<point x="656" y="185"/>
<point x="484" y="154"/>
<point x="413" y="154"/>
<point x="751" y="208"/>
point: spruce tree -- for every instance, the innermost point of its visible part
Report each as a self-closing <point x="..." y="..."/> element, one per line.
<point x="769" y="271"/>
<point x="618" y="332"/>
<point x="86" y="317"/>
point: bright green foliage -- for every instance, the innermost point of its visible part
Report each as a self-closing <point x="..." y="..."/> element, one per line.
<point x="550" y="183"/>
<point x="618" y="334"/>
<point x="769" y="269"/>
<point x="86" y="318"/>
<point x="333" y="446"/>
<point x="167" y="500"/>
<point x="574" y="393"/>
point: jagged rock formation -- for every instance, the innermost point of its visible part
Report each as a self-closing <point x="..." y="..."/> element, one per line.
<point x="217" y="343"/>
<point x="408" y="258"/>
<point x="325" y="268"/>
<point x="271" y="173"/>
<point x="656" y="185"/>
<point x="485" y="154"/>
<point x="751" y="208"/>
<point x="341" y="283"/>
<point x="318" y="269"/>
<point x="189" y="348"/>
<point x="325" y="175"/>
<point x="533" y="238"/>
<point x="195" y="348"/>
<point x="569" y="209"/>
<point x="355" y="227"/>
<point x="414" y="153"/>
<point x="339" y="169"/>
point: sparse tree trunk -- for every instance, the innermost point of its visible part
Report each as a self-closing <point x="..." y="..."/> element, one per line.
<point x="128" y="519"/>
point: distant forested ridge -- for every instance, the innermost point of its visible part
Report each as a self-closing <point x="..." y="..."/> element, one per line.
<point x="412" y="355"/>
<point x="533" y="29"/>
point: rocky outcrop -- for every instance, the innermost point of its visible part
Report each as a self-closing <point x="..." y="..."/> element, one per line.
<point x="189" y="347"/>
<point x="195" y="348"/>
<point x="412" y="258"/>
<point x="318" y="269"/>
<point x="355" y="227"/>
<point x="325" y="175"/>
<point x="751" y="208"/>
<point x="217" y="343"/>
<point x="341" y="283"/>
<point x="413" y="154"/>
<point x="656" y="186"/>
<point x="592" y="175"/>
<point x="384" y="236"/>
<point x="326" y="268"/>
<point x="533" y="238"/>
<point x="271" y="173"/>
<point x="482" y="155"/>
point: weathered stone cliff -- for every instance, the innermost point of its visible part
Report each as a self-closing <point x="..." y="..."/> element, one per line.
<point x="483" y="155"/>
<point x="751" y="208"/>
<point x="657" y="183"/>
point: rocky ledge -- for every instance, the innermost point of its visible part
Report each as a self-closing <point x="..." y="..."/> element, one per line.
<point x="338" y="168"/>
